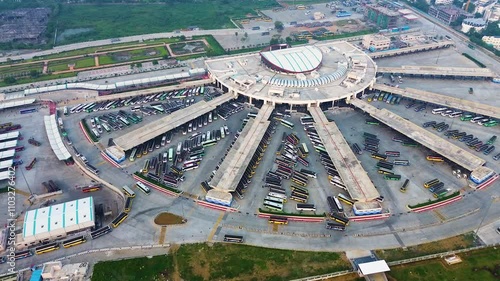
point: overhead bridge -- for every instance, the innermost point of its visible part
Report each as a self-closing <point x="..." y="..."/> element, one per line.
<point x="438" y="71"/>
<point x="445" y="148"/>
<point x="167" y="123"/>
<point x="357" y="182"/>
<point x="448" y="101"/>
<point x="411" y="50"/>
<point x="237" y="160"/>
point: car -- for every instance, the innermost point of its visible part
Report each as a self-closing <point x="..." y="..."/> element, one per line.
<point x="380" y="199"/>
<point x="498" y="230"/>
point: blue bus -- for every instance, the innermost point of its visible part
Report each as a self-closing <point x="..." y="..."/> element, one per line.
<point x="27" y="110"/>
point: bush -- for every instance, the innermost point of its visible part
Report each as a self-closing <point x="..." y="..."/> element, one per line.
<point x="480" y="64"/>
<point x="430" y="202"/>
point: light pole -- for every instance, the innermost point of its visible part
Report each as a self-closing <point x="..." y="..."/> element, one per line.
<point x="485" y="214"/>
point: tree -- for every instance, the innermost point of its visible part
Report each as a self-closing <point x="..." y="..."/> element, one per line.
<point x="155" y="62"/>
<point x="478" y="15"/>
<point x="34" y="73"/>
<point x="182" y="37"/>
<point x="458" y="21"/>
<point x="288" y="39"/>
<point x="279" y="26"/>
<point x="10" y="80"/>
<point x="274" y="41"/>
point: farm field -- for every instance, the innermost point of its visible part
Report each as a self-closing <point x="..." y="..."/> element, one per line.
<point x="142" y="19"/>
<point x="197" y="262"/>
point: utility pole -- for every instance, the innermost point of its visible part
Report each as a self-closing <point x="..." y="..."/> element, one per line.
<point x="485" y="214"/>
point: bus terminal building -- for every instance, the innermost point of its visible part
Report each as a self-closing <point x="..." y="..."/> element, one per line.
<point x="308" y="75"/>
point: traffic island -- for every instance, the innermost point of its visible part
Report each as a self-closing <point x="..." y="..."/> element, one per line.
<point x="433" y="204"/>
<point x="164" y="219"/>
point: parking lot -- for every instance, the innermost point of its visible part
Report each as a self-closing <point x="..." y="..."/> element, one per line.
<point x="47" y="167"/>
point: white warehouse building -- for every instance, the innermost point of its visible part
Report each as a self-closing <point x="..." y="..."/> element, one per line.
<point x="57" y="221"/>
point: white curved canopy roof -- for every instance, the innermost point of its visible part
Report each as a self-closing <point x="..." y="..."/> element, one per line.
<point x="299" y="59"/>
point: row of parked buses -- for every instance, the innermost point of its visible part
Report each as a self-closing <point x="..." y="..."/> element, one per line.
<point x="117" y="103"/>
<point x="464" y="116"/>
<point x="436" y="187"/>
<point x="49" y="247"/>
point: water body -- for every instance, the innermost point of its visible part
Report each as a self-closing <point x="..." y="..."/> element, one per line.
<point x="71" y="32"/>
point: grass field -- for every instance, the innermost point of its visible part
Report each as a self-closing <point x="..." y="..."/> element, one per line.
<point x="483" y="265"/>
<point x="111" y="21"/>
<point x="195" y="262"/>
<point x="449" y="244"/>
<point x="147" y="269"/>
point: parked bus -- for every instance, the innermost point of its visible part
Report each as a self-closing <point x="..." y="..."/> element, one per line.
<point x="100" y="232"/>
<point x="345" y="199"/>
<point x="439" y="110"/>
<point x="340" y="219"/>
<point x="74" y="241"/>
<point x="143" y="187"/>
<point x="401" y="162"/>
<point x="303" y="149"/>
<point x="404" y="186"/>
<point x="118" y="220"/>
<point x="335" y="226"/>
<point x="145" y="167"/>
<point x="308" y="173"/>
<point x="393" y="153"/>
<point x="379" y="156"/>
<point x="46" y="248"/>
<point x="305" y="207"/>
<point x="392" y="177"/>
<point x="278" y="195"/>
<point x="132" y="154"/>
<point x="431" y="183"/>
<point x="22" y="254"/>
<point x="287" y="124"/>
<point x="233" y="238"/>
<point x="338" y="205"/>
<point x="434" y="158"/>
<point x="128" y="204"/>
<point x="278" y="220"/>
<point x="27" y="110"/>
<point x="273" y="206"/>
<point x="128" y="191"/>
<point x="91" y="189"/>
<point x="249" y="115"/>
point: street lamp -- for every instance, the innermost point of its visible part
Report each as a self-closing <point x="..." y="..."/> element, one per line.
<point x="485" y="214"/>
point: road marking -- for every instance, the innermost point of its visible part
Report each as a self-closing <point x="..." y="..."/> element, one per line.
<point x="212" y="233"/>
<point x="439" y="215"/>
<point x="100" y="163"/>
<point x="162" y="235"/>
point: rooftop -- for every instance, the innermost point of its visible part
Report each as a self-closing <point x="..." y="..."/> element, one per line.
<point x="339" y="60"/>
<point x="373" y="267"/>
<point x="296" y="60"/>
<point x="58" y="216"/>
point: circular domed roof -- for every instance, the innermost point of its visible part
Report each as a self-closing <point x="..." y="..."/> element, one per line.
<point x="294" y="60"/>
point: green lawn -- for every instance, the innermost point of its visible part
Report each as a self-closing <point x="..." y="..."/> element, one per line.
<point x="111" y="21"/>
<point x="483" y="265"/>
<point x="86" y="62"/>
<point x="197" y="262"/>
<point x="449" y="244"/>
<point x="146" y="269"/>
<point x="17" y="69"/>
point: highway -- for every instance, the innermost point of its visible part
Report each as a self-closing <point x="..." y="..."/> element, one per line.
<point x="462" y="104"/>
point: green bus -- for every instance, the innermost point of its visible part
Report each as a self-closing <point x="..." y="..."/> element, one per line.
<point x="392" y="177"/>
<point x="412" y="144"/>
<point x="491" y="123"/>
<point x="467" y="117"/>
<point x="491" y="140"/>
<point x="372" y="122"/>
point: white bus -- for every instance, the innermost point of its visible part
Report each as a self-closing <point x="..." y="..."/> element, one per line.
<point x="278" y="195"/>
<point x="439" y="110"/>
<point x="273" y="206"/>
<point x="128" y="191"/>
<point x="222" y="133"/>
<point x="143" y="187"/>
